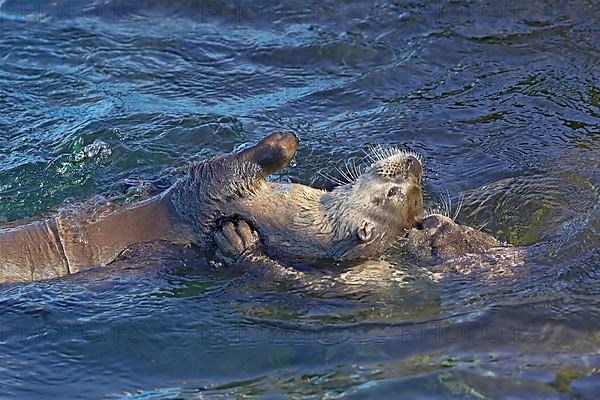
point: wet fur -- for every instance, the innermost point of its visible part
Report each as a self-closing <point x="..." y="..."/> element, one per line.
<point x="355" y="220"/>
<point x="297" y="221"/>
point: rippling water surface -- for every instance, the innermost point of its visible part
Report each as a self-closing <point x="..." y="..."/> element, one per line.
<point x="502" y="99"/>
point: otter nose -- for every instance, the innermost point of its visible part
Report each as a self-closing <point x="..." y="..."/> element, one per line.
<point x="413" y="166"/>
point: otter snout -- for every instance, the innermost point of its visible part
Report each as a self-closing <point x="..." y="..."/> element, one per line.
<point x="399" y="166"/>
<point x="413" y="166"/>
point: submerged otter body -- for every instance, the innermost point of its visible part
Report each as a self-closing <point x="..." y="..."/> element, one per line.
<point x="356" y="220"/>
<point x="440" y="237"/>
<point x="453" y="248"/>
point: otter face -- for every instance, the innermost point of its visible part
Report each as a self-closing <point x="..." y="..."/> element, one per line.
<point x="380" y="205"/>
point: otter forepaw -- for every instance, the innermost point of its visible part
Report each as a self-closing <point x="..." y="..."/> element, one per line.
<point x="233" y="239"/>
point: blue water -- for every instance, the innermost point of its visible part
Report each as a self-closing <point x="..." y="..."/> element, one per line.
<point x="501" y="99"/>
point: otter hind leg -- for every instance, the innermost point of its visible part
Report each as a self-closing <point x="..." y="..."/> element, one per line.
<point x="272" y="154"/>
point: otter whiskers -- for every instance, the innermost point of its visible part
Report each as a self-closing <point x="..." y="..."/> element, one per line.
<point x="332" y="179"/>
<point x="352" y="170"/>
<point x="446" y="208"/>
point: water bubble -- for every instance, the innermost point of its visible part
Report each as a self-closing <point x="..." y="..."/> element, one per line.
<point x="99" y="149"/>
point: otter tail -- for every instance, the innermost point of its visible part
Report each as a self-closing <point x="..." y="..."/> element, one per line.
<point x="32" y="252"/>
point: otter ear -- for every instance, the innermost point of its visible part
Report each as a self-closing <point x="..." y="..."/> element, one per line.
<point x="365" y="230"/>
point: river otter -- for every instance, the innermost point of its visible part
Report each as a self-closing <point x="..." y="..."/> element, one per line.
<point x="438" y="242"/>
<point x="355" y="220"/>
<point x="454" y="248"/>
<point x="438" y="236"/>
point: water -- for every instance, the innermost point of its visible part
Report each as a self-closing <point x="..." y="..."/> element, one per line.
<point x="501" y="99"/>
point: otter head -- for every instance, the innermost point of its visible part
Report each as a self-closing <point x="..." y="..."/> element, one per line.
<point x="439" y="235"/>
<point x="378" y="205"/>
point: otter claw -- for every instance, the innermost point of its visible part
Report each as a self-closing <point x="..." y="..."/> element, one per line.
<point x="247" y="234"/>
<point x="234" y="239"/>
<point x="225" y="251"/>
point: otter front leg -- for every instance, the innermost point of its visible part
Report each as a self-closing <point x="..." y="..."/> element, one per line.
<point x="233" y="239"/>
<point x="238" y="245"/>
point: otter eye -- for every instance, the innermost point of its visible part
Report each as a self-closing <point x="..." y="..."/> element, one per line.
<point x="394" y="192"/>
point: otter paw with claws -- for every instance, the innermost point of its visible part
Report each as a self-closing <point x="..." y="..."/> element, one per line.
<point x="233" y="239"/>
